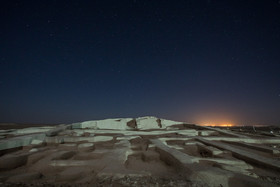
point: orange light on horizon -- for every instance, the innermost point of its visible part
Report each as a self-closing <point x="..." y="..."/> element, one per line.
<point x="226" y="125"/>
<point x="219" y="125"/>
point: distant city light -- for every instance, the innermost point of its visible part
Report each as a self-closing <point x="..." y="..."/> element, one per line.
<point x="219" y="125"/>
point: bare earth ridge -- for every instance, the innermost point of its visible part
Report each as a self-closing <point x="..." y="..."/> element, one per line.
<point x="145" y="151"/>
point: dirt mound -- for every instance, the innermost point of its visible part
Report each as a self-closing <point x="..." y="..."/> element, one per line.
<point x="145" y="151"/>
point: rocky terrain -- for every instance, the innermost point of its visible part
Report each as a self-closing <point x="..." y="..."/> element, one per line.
<point x="145" y="151"/>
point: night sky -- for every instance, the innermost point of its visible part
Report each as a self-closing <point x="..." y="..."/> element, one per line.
<point x="198" y="61"/>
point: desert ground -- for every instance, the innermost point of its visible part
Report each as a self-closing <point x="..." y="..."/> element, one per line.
<point x="145" y="151"/>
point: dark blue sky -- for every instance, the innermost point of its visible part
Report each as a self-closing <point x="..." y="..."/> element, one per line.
<point x="197" y="61"/>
